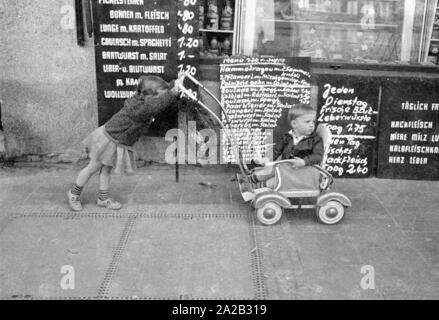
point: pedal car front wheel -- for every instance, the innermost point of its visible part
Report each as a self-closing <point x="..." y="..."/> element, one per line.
<point x="269" y="213"/>
<point x="330" y="213"/>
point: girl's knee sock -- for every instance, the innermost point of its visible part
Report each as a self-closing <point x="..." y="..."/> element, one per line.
<point x="76" y="190"/>
<point x="103" y="195"/>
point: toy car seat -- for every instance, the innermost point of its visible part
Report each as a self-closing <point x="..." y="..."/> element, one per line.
<point x="307" y="179"/>
<point x="270" y="203"/>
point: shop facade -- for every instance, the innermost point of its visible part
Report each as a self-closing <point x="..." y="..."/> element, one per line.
<point x="386" y="51"/>
<point x="390" y="47"/>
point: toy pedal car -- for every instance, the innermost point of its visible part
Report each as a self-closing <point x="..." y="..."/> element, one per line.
<point x="269" y="204"/>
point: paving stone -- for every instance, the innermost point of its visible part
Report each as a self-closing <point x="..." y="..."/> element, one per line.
<point x="157" y="198"/>
<point x="305" y="220"/>
<point x="319" y="283"/>
<point x="195" y="194"/>
<point x="376" y="233"/>
<point x="13" y="198"/>
<point x="427" y="244"/>
<point x="392" y="226"/>
<point x="163" y="259"/>
<point x="33" y="251"/>
<point x="159" y="187"/>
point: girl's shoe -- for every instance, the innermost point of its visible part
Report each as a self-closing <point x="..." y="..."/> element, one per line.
<point x="74" y="202"/>
<point x="109" y="203"/>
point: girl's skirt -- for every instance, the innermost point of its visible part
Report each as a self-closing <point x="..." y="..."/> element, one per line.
<point x="100" y="147"/>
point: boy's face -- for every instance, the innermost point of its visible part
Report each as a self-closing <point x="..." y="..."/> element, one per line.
<point x="304" y="125"/>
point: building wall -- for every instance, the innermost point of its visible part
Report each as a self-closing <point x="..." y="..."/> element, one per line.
<point x="47" y="82"/>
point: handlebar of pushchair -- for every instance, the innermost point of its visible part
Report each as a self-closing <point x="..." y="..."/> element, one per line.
<point x="192" y="78"/>
<point x="228" y="131"/>
<point x="187" y="92"/>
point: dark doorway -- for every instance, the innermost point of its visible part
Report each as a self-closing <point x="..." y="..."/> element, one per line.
<point x="1" y="126"/>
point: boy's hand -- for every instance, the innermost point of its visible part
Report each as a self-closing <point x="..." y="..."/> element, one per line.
<point x="261" y="161"/>
<point x="299" y="162"/>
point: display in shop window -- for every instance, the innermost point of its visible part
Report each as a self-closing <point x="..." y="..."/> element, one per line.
<point x="216" y="28"/>
<point x="227" y="47"/>
<point x="347" y="30"/>
<point x="226" y="16"/>
<point x="433" y="51"/>
<point x="201" y="16"/>
<point x="212" y="15"/>
<point x="340" y="10"/>
<point x="214" y="47"/>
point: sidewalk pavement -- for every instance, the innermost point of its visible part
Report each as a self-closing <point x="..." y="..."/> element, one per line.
<point x="196" y="239"/>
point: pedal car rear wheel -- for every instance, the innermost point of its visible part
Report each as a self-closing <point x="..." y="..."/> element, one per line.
<point x="330" y="213"/>
<point x="269" y="213"/>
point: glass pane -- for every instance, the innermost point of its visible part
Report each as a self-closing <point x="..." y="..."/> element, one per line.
<point x="346" y="30"/>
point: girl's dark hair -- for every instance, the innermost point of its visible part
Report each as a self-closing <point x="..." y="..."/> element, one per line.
<point x="299" y="110"/>
<point x="149" y="85"/>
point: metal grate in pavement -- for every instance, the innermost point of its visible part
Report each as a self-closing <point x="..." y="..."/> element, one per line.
<point x="257" y="262"/>
<point x="142" y="212"/>
<point x="134" y="214"/>
<point x="117" y="255"/>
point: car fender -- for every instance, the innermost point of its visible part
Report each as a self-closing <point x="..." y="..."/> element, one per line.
<point x="270" y="196"/>
<point x="326" y="197"/>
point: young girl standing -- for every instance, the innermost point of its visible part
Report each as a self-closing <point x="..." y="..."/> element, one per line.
<point x="110" y="146"/>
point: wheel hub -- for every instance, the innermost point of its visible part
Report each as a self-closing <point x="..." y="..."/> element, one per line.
<point x="269" y="213"/>
<point x="331" y="212"/>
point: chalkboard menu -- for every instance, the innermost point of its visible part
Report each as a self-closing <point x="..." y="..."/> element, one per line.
<point x="409" y="130"/>
<point x="188" y="52"/>
<point x="349" y="106"/>
<point x="139" y="37"/>
<point x="257" y="93"/>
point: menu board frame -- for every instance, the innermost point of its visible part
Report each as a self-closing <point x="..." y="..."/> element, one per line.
<point x="410" y="115"/>
<point x="257" y="93"/>
<point x="167" y="43"/>
<point x="350" y="105"/>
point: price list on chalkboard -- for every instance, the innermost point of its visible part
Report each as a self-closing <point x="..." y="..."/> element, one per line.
<point x="257" y="93"/>
<point x="409" y="130"/>
<point x="349" y="106"/>
<point x="132" y="38"/>
<point x="188" y="42"/>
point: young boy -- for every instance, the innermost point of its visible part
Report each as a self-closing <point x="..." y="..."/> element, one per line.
<point x="302" y="145"/>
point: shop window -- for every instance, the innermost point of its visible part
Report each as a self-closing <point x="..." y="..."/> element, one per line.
<point x="430" y="49"/>
<point x="217" y="28"/>
<point x="381" y="31"/>
<point x="1" y="125"/>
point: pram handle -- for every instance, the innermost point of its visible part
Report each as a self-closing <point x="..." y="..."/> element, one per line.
<point x="187" y="75"/>
<point x="272" y="163"/>
<point x="238" y="155"/>
<point x="187" y="92"/>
